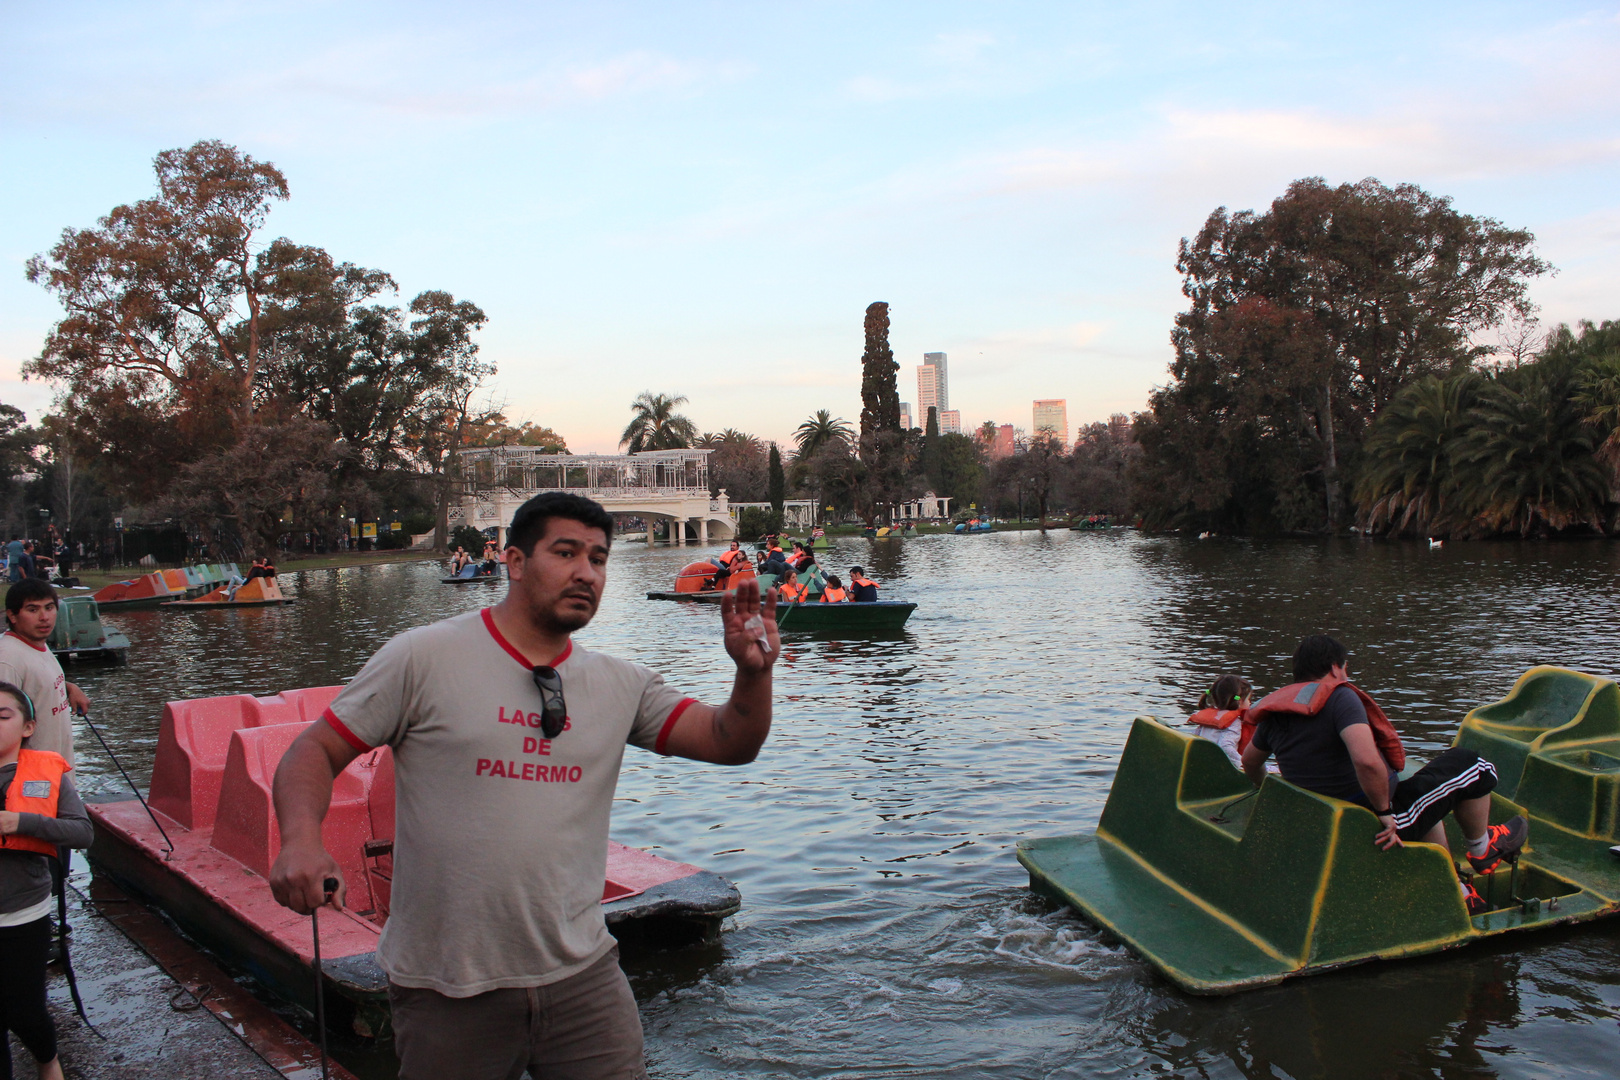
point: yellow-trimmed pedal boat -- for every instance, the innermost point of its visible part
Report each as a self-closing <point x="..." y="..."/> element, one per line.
<point x="1222" y="892"/>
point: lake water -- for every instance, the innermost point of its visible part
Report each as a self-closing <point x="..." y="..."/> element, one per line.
<point x="887" y="929"/>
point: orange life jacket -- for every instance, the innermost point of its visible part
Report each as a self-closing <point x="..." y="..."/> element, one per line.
<point x="791" y="593"/>
<point x="1309" y="698"/>
<point x="34" y="790"/>
<point x="833" y="596"/>
<point x="1223" y="719"/>
<point x="729" y="557"/>
<point x="854" y="580"/>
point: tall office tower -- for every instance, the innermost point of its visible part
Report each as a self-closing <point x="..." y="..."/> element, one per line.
<point x="1052" y="416"/>
<point x="905" y="416"/>
<point x="932" y="388"/>
<point x="950" y="422"/>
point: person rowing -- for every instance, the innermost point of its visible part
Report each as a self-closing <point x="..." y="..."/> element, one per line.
<point x="508" y="738"/>
<point x="834" y="592"/>
<point x="862" y="589"/>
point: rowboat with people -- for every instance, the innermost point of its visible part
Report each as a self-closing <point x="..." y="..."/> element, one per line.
<point x="845" y="617"/>
<point x="202" y="854"/>
<point x="1173" y="867"/>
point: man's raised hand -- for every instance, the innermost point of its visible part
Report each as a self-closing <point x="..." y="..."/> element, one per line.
<point x="744" y="643"/>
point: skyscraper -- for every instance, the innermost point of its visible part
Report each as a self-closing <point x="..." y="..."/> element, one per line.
<point x="1052" y="417"/>
<point x="905" y="416"/>
<point x="950" y="422"/>
<point x="932" y="388"/>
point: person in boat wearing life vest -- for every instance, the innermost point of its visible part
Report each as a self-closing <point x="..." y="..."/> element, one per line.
<point x="801" y="556"/>
<point x="862" y="590"/>
<point x="1222" y="716"/>
<point x="789" y="591"/>
<point x="732" y="560"/>
<point x="834" y="592"/>
<point x="42" y="814"/>
<point x="1332" y="738"/>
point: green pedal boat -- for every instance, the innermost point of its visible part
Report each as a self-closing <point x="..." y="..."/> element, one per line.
<point x="1223" y="893"/>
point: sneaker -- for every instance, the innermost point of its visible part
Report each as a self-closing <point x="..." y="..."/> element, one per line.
<point x="1476" y="903"/>
<point x="1505" y="841"/>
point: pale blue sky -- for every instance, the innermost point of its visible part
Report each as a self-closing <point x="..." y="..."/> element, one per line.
<point x="703" y="198"/>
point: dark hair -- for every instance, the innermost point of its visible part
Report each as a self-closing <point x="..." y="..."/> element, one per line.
<point x="23" y="699"/>
<point x="857" y="570"/>
<point x="833" y="582"/>
<point x="532" y="519"/>
<point x="28" y="589"/>
<point x="1316" y="657"/>
<point x="1226" y="693"/>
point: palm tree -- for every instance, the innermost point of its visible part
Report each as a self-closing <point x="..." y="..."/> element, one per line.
<point x="1529" y="460"/>
<point x="822" y="430"/>
<point x="656" y="425"/>
<point x="1410" y="479"/>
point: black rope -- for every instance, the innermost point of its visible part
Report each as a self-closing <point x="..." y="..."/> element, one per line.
<point x="85" y="716"/>
<point x="59" y="872"/>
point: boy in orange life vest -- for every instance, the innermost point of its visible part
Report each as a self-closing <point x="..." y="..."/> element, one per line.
<point x="1331" y="738"/>
<point x="41" y="812"/>
<point x="834" y="593"/>
<point x="1222" y="716"/>
<point x="862" y="591"/>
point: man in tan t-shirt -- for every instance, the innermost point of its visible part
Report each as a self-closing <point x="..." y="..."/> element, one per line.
<point x="27" y="662"/>
<point x="507" y="739"/>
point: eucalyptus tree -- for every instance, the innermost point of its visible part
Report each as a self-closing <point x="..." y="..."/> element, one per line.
<point x="1303" y="323"/>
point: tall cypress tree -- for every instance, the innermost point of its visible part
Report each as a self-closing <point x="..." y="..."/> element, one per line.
<point x="777" y="488"/>
<point x="880" y="416"/>
<point x="930" y="450"/>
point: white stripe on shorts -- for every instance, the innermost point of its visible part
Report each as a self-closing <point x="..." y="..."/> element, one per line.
<point x="1407" y="818"/>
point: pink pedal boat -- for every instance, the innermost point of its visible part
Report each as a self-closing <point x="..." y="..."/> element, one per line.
<point x="211" y="793"/>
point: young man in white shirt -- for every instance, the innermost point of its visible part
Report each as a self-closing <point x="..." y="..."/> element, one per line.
<point x="495" y="948"/>
<point x="27" y="662"/>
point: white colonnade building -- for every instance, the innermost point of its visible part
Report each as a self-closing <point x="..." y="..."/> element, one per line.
<point x="668" y="485"/>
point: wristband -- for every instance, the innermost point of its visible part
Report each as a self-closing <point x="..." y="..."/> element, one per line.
<point x="1389" y="812"/>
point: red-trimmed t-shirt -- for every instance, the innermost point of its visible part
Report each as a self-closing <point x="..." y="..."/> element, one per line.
<point x="500" y="845"/>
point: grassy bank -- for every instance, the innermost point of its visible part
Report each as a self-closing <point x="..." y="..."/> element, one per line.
<point x="95" y="579"/>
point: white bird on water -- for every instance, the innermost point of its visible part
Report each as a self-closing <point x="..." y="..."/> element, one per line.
<point x="1433" y="543"/>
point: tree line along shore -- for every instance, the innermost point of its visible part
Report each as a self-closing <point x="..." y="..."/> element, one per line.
<point x="1357" y="356"/>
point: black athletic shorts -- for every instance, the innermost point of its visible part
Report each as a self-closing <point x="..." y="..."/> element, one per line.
<point x="1428" y="795"/>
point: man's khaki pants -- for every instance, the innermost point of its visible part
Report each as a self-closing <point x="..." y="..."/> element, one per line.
<point x="584" y="1027"/>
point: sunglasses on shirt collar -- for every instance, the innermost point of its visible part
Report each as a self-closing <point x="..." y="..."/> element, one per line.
<point x="553" y="709"/>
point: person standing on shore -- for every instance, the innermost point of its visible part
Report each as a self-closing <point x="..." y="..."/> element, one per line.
<point x="27" y="662"/>
<point x="41" y="814"/>
<point x="508" y="738"/>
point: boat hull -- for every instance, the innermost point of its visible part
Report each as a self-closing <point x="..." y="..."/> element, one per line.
<point x="482" y="579"/>
<point x="228" y="909"/>
<point x="876" y="615"/>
